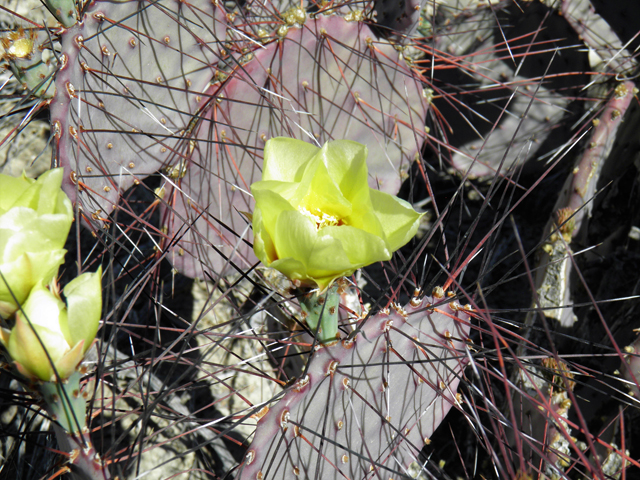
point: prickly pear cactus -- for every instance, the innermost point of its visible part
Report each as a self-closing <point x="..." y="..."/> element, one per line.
<point x="130" y="82"/>
<point x="400" y="17"/>
<point x="366" y="406"/>
<point x="326" y="80"/>
<point x="503" y="120"/>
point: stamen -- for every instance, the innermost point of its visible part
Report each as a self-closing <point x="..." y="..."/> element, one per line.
<point x="321" y="219"/>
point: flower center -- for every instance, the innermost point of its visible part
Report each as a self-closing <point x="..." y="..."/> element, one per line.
<point x="320" y="218"/>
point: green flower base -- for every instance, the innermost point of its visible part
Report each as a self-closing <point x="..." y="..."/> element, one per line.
<point x="65" y="404"/>
<point x="67" y="407"/>
<point x="323" y="310"/>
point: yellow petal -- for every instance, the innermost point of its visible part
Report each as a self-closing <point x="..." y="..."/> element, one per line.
<point x="270" y="201"/>
<point x="346" y="162"/>
<point x="263" y="245"/>
<point x="284" y="157"/>
<point x="398" y="219"/>
<point x="68" y="363"/>
<point x="361" y="247"/>
<point x="324" y="194"/>
<point x="23" y="273"/>
<point x="12" y="188"/>
<point x="25" y="349"/>
<point x="15" y="284"/>
<point x="84" y="308"/>
<point x="321" y="256"/>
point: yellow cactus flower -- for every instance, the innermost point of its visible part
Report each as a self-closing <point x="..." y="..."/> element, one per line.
<point x="316" y="218"/>
<point x="65" y="331"/>
<point x="35" y="219"/>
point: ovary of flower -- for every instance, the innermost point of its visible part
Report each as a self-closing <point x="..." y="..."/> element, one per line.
<point x="321" y="219"/>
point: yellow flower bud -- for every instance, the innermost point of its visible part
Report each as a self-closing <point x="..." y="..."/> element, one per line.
<point x="65" y="331"/>
<point x="35" y="219"/>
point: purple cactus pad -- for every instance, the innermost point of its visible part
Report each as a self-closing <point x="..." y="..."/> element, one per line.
<point x="130" y="81"/>
<point x="365" y="408"/>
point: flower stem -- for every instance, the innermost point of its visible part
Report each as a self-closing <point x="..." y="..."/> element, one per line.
<point x="323" y="309"/>
<point x="67" y="407"/>
<point x="65" y="403"/>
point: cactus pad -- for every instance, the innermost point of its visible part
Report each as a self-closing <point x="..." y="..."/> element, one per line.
<point x="128" y="87"/>
<point x="518" y="95"/>
<point x="365" y="407"/>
